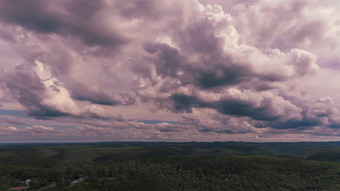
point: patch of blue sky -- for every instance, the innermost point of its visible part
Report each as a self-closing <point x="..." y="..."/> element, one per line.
<point x="56" y="127"/>
<point x="17" y="113"/>
<point x="152" y="122"/>
<point x="62" y="127"/>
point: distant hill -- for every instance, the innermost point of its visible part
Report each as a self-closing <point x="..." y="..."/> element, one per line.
<point x="120" y="151"/>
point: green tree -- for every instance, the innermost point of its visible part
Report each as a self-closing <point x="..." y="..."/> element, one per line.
<point x="6" y="182"/>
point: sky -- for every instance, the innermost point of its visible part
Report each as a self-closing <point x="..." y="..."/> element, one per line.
<point x="170" y="70"/>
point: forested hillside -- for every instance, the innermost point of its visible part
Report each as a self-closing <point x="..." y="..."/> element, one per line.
<point x="171" y="166"/>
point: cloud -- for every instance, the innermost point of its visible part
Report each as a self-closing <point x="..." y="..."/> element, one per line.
<point x="229" y="76"/>
<point x="7" y="130"/>
<point x="39" y="129"/>
<point x="302" y="24"/>
<point x="88" y="60"/>
<point x="73" y="19"/>
<point x="41" y="94"/>
<point x="84" y="92"/>
<point x="279" y="24"/>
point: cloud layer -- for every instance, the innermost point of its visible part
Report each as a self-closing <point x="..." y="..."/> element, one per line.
<point x="219" y="71"/>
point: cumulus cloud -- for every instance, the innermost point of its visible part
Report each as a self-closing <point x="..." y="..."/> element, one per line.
<point x="84" y="92"/>
<point x="229" y="76"/>
<point x="235" y="64"/>
<point x="7" y="130"/>
<point x="77" y="19"/>
<point x="40" y="93"/>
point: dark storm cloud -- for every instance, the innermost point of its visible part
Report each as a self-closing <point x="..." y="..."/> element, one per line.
<point x="318" y="112"/>
<point x="334" y="126"/>
<point x="30" y="14"/>
<point x="221" y="76"/>
<point x="82" y="92"/>
<point x="183" y="102"/>
<point x="167" y="61"/>
<point x="265" y="111"/>
<point x="295" y="123"/>
<point x="239" y="108"/>
<point x="213" y="72"/>
<point x="213" y="67"/>
<point x="74" y="18"/>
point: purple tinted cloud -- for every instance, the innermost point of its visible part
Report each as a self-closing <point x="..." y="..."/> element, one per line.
<point x="76" y="18"/>
<point x="221" y="69"/>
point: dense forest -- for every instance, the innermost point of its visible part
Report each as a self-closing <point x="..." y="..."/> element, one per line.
<point x="171" y="166"/>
